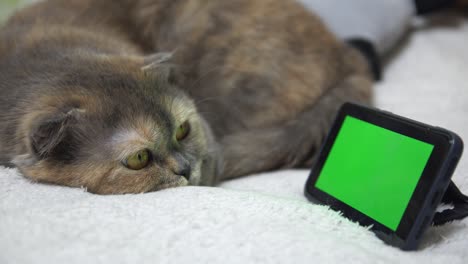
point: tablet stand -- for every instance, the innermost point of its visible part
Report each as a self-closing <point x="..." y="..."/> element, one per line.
<point x="460" y="206"/>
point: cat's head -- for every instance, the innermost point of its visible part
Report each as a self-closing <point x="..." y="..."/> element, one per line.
<point x="114" y="128"/>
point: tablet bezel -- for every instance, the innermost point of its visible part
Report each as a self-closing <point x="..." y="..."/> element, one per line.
<point x="418" y="212"/>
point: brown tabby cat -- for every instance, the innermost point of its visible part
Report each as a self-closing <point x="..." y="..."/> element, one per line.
<point x="128" y="96"/>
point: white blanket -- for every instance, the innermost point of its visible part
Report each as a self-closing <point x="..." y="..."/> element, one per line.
<point x="258" y="219"/>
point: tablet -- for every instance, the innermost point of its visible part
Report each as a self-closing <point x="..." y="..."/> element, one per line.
<point x="384" y="171"/>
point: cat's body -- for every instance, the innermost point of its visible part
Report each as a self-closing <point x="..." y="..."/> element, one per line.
<point x="259" y="82"/>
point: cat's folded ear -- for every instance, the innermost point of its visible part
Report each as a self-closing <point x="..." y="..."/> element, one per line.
<point x="161" y="65"/>
<point x="48" y="133"/>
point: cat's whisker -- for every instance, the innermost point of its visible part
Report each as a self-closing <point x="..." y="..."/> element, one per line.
<point x="207" y="99"/>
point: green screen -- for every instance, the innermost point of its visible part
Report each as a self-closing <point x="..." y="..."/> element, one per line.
<point x="374" y="170"/>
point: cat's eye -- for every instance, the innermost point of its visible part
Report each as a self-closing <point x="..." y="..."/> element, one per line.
<point x="182" y="131"/>
<point x="138" y="160"/>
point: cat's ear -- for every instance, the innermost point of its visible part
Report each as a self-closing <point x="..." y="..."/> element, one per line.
<point x="49" y="132"/>
<point x="161" y="65"/>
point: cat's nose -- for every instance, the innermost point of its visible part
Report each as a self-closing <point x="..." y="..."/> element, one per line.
<point x="184" y="172"/>
<point x="180" y="166"/>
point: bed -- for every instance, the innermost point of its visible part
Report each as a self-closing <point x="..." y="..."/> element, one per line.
<point x="261" y="218"/>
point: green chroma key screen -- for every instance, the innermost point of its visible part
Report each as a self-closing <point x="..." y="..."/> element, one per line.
<point x="374" y="170"/>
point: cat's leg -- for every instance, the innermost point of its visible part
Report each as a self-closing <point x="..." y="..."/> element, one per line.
<point x="295" y="143"/>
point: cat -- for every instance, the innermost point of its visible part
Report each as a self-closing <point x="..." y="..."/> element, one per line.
<point x="133" y="96"/>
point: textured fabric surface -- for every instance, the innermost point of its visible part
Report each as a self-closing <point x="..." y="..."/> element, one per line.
<point x="258" y="219"/>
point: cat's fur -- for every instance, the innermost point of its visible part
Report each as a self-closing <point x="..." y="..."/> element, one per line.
<point x="82" y="85"/>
